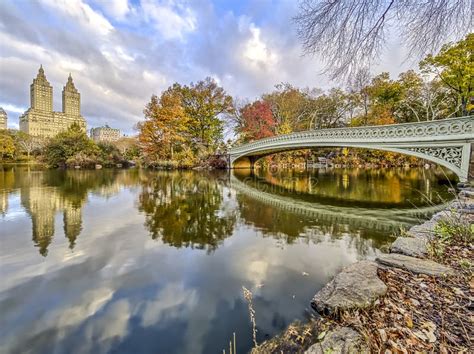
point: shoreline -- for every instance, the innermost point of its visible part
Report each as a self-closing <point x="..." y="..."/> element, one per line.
<point x="376" y="306"/>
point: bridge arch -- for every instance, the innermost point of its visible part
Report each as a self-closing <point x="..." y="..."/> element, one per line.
<point x="445" y="142"/>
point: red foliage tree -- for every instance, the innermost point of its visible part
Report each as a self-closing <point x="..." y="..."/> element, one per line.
<point x="258" y="121"/>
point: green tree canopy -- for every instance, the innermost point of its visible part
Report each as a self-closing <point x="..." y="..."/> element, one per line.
<point x="204" y="103"/>
<point x="454" y="65"/>
<point x="70" y="144"/>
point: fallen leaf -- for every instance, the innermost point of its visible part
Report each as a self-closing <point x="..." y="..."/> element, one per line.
<point x="420" y="335"/>
<point x="408" y="321"/>
<point x="383" y="335"/>
<point x="431" y="336"/>
<point x="321" y="335"/>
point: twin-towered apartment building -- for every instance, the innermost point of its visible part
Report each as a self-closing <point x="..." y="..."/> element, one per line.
<point x="41" y="121"/>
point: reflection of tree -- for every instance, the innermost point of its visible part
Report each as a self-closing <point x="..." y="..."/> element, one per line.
<point x="287" y="205"/>
<point x="186" y="209"/>
<point x="290" y="226"/>
<point x="381" y="188"/>
<point x="7" y="182"/>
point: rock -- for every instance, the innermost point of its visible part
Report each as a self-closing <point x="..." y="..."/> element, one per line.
<point x="462" y="185"/>
<point x="342" y="340"/>
<point x="356" y="286"/>
<point x="467" y="193"/>
<point x="410" y="246"/>
<point x="424" y="231"/>
<point x="415" y="265"/>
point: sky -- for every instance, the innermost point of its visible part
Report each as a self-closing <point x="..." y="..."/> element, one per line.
<point x="120" y="52"/>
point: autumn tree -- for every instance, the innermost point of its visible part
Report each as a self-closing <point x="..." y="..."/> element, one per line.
<point x="7" y="146"/>
<point x="454" y="66"/>
<point x="165" y="127"/>
<point x="257" y="121"/>
<point x="290" y="107"/>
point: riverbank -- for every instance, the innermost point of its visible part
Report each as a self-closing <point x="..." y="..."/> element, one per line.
<point x="416" y="298"/>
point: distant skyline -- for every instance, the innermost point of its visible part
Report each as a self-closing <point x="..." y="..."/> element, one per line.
<point x="121" y="52"/>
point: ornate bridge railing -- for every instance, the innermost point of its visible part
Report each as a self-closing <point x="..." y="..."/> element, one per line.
<point x="446" y="142"/>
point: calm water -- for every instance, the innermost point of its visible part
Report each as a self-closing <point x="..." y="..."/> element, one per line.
<point x="154" y="262"/>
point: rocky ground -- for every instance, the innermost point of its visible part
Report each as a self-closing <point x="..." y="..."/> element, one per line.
<point x="417" y="298"/>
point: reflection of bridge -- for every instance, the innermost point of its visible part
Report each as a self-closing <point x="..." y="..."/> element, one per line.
<point x="374" y="218"/>
<point x="446" y="142"/>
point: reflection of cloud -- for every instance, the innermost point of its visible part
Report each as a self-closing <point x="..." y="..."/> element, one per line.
<point x="112" y="324"/>
<point x="88" y="304"/>
<point x="257" y="270"/>
<point x="174" y="301"/>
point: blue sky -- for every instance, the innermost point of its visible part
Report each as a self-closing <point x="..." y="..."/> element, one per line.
<point x="120" y="52"/>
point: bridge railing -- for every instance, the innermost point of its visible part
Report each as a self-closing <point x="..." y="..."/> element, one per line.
<point x="439" y="128"/>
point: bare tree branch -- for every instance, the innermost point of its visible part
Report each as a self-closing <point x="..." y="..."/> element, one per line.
<point x="350" y="34"/>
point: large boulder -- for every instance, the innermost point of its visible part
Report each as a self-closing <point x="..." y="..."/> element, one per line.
<point x="356" y="286"/>
<point x="410" y="246"/>
<point x="342" y="340"/>
<point x="414" y="265"/>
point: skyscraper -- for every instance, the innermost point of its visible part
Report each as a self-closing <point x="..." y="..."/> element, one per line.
<point x="40" y="120"/>
<point x="3" y="119"/>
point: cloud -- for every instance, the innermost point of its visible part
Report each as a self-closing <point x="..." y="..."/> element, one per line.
<point x="256" y="51"/>
<point x="117" y="9"/>
<point x="81" y="13"/>
<point x="171" y="18"/>
<point x="122" y="52"/>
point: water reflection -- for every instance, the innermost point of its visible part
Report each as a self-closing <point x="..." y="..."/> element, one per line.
<point x="200" y="210"/>
<point x="45" y="193"/>
<point x="154" y="262"/>
<point x="186" y="209"/>
<point x="288" y="194"/>
<point x="369" y="188"/>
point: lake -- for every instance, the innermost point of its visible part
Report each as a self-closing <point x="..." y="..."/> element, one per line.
<point x="117" y="261"/>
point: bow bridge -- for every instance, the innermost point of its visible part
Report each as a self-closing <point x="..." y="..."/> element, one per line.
<point x="445" y="142"/>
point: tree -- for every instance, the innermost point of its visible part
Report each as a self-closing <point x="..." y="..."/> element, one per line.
<point x="351" y="33"/>
<point x="424" y="99"/>
<point x="128" y="147"/>
<point x="71" y="147"/>
<point x="258" y="121"/>
<point x="329" y="110"/>
<point x="7" y="146"/>
<point x="290" y="107"/>
<point x="165" y="126"/>
<point x="204" y="103"/>
<point x="27" y="143"/>
<point x="359" y="92"/>
<point x="383" y="97"/>
<point x="454" y="65"/>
